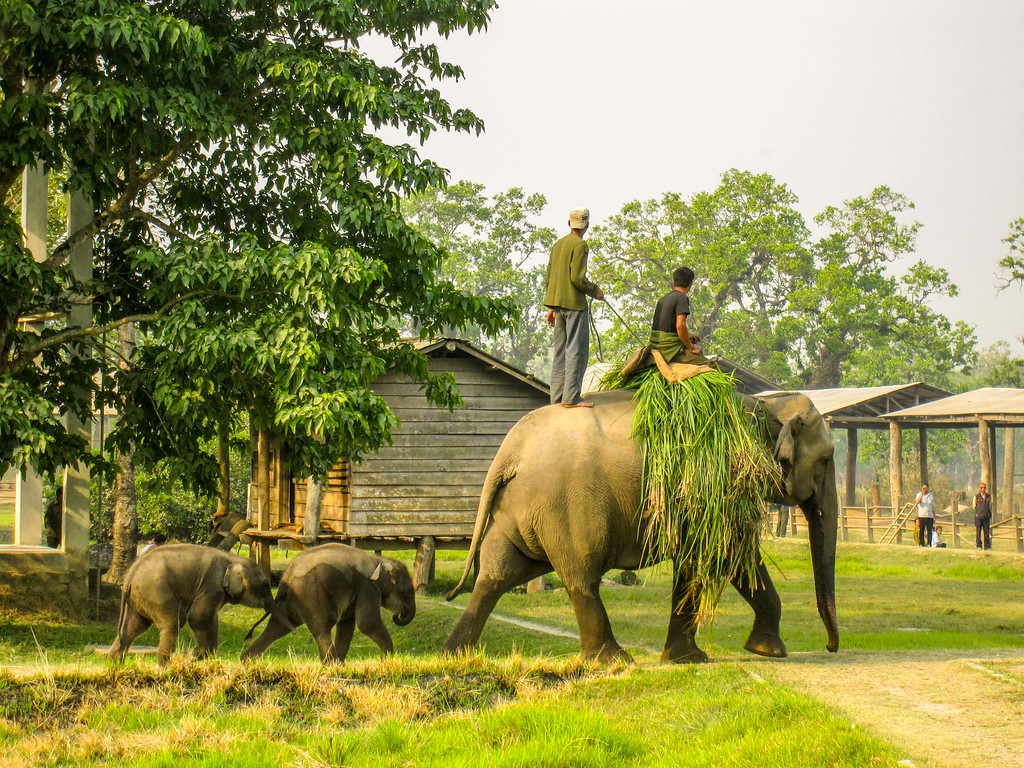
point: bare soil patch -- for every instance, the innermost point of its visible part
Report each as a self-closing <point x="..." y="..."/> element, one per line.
<point x="949" y="709"/>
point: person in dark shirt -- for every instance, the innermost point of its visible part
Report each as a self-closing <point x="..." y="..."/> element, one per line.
<point x="54" y="520"/>
<point x="983" y="518"/>
<point x="670" y="333"/>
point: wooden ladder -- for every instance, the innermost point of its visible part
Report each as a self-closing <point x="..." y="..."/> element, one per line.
<point x="897" y="524"/>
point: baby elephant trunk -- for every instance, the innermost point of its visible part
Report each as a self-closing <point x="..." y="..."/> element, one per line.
<point x="404" y="616"/>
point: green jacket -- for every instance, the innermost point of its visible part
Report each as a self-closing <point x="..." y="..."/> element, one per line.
<point x="567" y="286"/>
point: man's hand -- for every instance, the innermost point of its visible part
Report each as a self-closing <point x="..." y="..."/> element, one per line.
<point x="697" y="350"/>
<point x="551" y="317"/>
<point x="599" y="295"/>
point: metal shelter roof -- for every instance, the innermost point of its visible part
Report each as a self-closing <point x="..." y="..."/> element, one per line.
<point x="999" y="406"/>
<point x="867" y="407"/>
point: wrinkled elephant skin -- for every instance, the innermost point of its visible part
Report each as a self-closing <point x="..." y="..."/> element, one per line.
<point x="563" y="494"/>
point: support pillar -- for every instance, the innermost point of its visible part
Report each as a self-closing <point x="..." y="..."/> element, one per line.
<point x="423" y="567"/>
<point x="1008" y="462"/>
<point x="851" y="467"/>
<point x="895" y="465"/>
<point x="77" y="478"/>
<point x="28" y="494"/>
<point x="922" y="449"/>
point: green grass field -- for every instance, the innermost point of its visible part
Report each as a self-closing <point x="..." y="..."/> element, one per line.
<point x="525" y="699"/>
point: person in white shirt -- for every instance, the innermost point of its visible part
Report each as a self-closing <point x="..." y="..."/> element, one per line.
<point x="925" y="504"/>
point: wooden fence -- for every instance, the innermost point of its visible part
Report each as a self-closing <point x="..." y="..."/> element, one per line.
<point x="879" y="524"/>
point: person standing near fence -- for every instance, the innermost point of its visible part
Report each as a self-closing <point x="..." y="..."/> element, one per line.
<point x="925" y="503"/>
<point x="983" y="518"/>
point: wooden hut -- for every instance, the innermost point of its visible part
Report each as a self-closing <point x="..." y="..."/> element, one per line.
<point x="422" y="491"/>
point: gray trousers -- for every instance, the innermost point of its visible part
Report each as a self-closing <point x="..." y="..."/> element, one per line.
<point x="570" y="350"/>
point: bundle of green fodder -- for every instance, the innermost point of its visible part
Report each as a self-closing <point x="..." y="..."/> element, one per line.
<point x="707" y="478"/>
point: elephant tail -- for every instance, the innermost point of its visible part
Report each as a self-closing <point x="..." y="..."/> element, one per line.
<point x="122" y="619"/>
<point x="281" y="592"/>
<point x="501" y="471"/>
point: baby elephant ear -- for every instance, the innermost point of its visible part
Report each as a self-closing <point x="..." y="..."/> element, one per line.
<point x="379" y="577"/>
<point x="234" y="581"/>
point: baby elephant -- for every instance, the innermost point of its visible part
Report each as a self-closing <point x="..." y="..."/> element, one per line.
<point x="335" y="585"/>
<point x="178" y="583"/>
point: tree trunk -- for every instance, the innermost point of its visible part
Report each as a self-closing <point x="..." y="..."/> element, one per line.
<point x="224" y="481"/>
<point x="126" y="513"/>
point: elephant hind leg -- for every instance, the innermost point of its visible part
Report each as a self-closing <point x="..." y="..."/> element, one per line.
<point x="596" y="638"/>
<point x="502" y="567"/>
<point x="343" y="632"/>
<point x="134" y="625"/>
<point x="273" y="631"/>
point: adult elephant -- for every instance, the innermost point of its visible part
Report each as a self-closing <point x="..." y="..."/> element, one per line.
<point x="563" y="494"/>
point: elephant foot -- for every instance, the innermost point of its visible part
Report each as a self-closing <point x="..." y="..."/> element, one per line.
<point x="610" y="653"/>
<point x="692" y="655"/>
<point x="766" y="645"/>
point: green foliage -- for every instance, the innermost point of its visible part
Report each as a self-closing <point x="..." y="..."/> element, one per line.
<point x="801" y="312"/>
<point x="1013" y="262"/>
<point x="247" y="220"/>
<point x="492" y="247"/>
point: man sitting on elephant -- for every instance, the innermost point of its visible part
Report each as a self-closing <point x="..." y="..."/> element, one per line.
<point x="670" y="333"/>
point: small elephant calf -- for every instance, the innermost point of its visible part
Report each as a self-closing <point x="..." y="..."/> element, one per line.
<point x="338" y="586"/>
<point x="178" y="583"/>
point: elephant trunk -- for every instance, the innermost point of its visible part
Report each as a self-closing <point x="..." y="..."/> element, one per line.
<point x="822" y="515"/>
<point x="404" y="617"/>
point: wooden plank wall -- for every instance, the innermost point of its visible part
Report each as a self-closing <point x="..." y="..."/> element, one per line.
<point x="428" y="482"/>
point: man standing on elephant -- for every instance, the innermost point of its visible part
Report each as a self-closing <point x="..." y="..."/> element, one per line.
<point x="670" y="334"/>
<point x="565" y="296"/>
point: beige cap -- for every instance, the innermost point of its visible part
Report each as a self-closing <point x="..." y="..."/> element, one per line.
<point x="579" y="218"/>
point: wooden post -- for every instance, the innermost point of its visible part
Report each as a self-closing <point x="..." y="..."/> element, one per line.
<point x="954" y="510"/>
<point x="922" y="446"/>
<point x="311" y="517"/>
<point x="851" y="467"/>
<point x="867" y="519"/>
<point x="896" y="471"/>
<point x="1018" y="533"/>
<point x="423" y="568"/>
<point x="535" y="585"/>
<point x="1008" y="459"/>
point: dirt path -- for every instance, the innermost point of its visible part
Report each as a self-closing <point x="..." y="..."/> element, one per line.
<point x="945" y="708"/>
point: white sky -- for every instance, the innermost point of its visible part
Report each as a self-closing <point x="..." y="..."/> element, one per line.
<point x="599" y="102"/>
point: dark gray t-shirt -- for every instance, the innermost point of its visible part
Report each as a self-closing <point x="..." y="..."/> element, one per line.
<point x="669" y="307"/>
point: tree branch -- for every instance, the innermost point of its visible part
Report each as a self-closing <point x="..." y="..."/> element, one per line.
<point x="120" y="209"/>
<point x="31" y="351"/>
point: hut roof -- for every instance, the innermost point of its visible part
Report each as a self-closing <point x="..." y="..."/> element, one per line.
<point x="999" y="406"/>
<point x="448" y="346"/>
<point x="862" y="407"/>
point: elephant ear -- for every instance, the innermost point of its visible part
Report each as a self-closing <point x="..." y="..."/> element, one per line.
<point x="381" y="578"/>
<point x="785" y="446"/>
<point x="234" y="581"/>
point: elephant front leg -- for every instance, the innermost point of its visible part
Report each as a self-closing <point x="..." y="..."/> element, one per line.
<point x="762" y="597"/>
<point x="369" y="623"/>
<point x="343" y="632"/>
<point x="203" y="620"/>
<point x="596" y="638"/>
<point x="681" y="644"/>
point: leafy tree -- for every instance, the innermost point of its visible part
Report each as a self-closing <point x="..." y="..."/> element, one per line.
<point x="802" y="313"/>
<point x="1014" y="260"/>
<point x="247" y="215"/>
<point x="860" y="324"/>
<point x="493" y="249"/>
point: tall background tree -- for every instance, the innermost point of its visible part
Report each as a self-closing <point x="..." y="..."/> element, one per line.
<point x="246" y="212"/>
<point x="803" y="312"/>
<point x="495" y="248"/>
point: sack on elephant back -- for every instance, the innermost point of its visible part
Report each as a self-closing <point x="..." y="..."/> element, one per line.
<point x="707" y="478"/>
